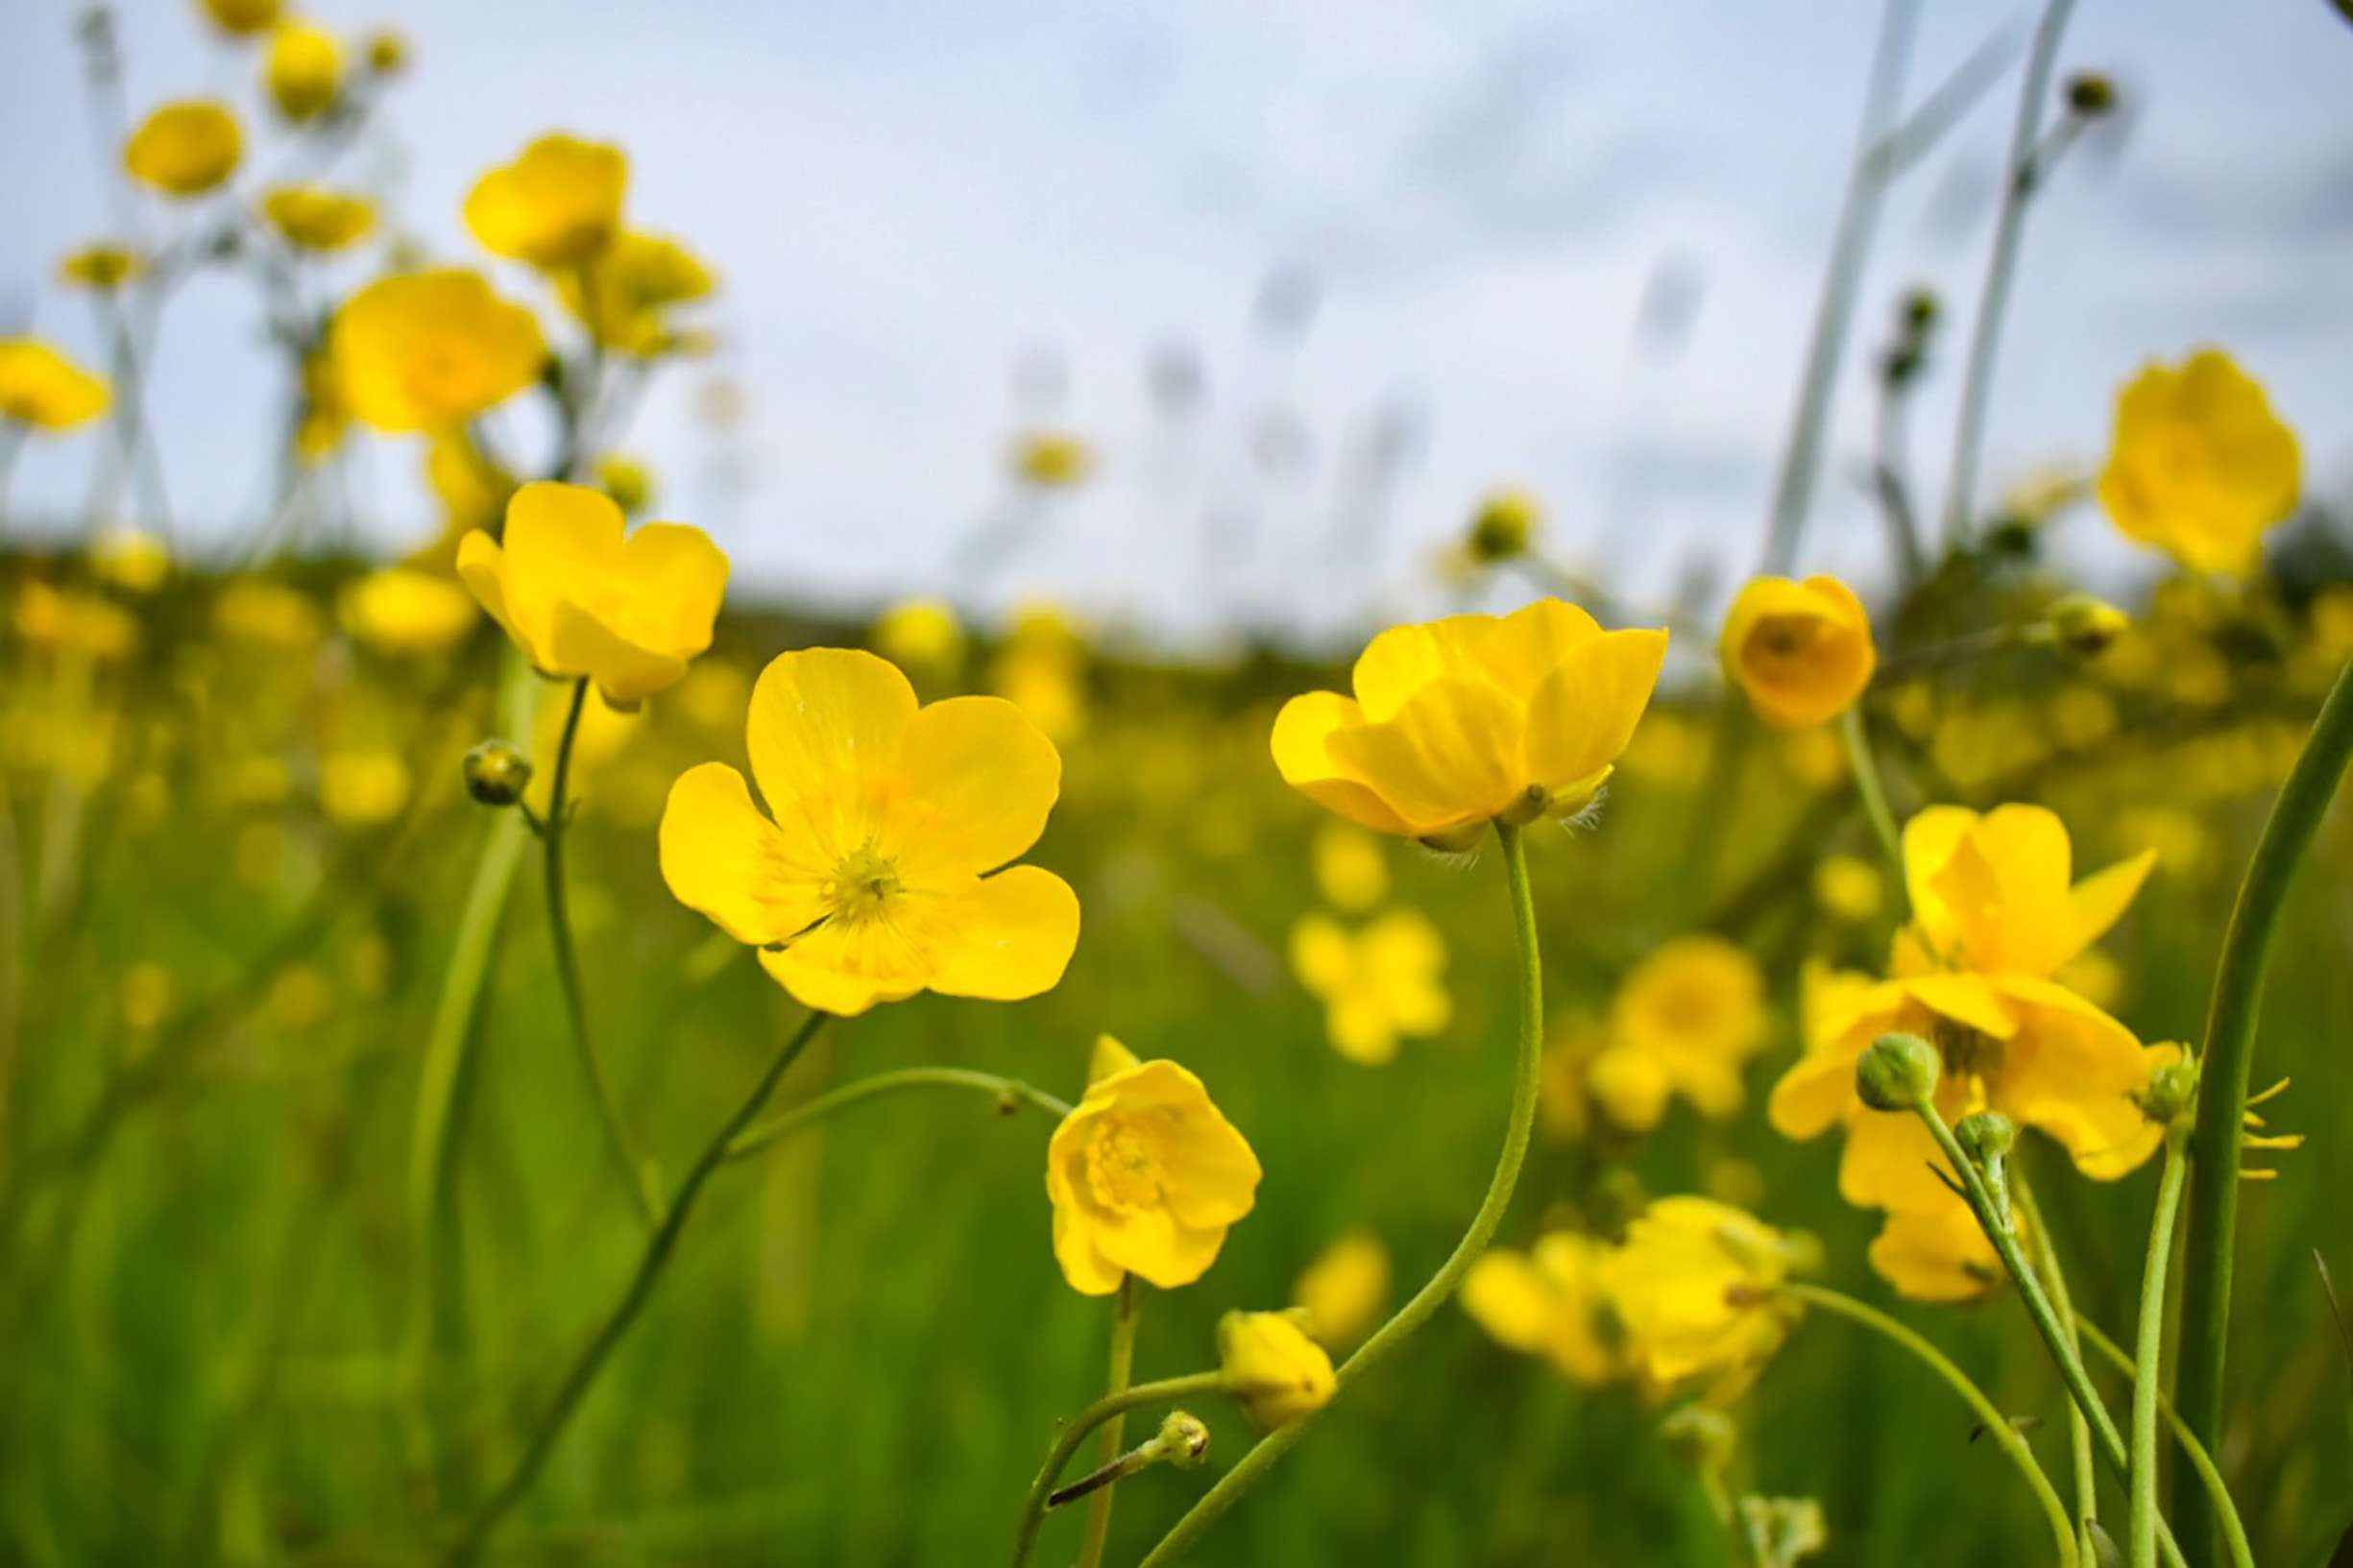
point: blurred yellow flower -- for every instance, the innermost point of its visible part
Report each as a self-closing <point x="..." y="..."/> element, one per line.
<point x="101" y="267"/>
<point x="1849" y="887"/>
<point x="2200" y="466"/>
<point x="1802" y="651"/>
<point x="923" y="636"/>
<point x="267" y="614"/>
<point x="76" y="623"/>
<point x="322" y="419"/>
<point x="1274" y="1370"/>
<point x="42" y="388"/>
<point x="1940" y="1252"/>
<point x="1349" y="869"/>
<point x="1550" y="1301"/>
<point x="1459" y="722"/>
<point x="472" y="490"/>
<point x="1047" y="687"/>
<point x="242" y="18"/>
<point x="1343" y="1292"/>
<point x="581" y="600"/>
<point x="627" y="480"/>
<point x="399" y="609"/>
<point x="1695" y="1288"/>
<point x="1051" y="459"/>
<point x="386" y="52"/>
<point x="314" y="218"/>
<point x="186" y="149"/>
<point x="148" y="994"/>
<point x="1376" y="984"/>
<point x="430" y="351"/>
<point x="131" y="559"/>
<point x="1146" y="1176"/>
<point x="1503" y="527"/>
<point x="362" y="788"/>
<point x="872" y="882"/>
<point x="622" y="295"/>
<point x="558" y="204"/>
<point x="304" y="70"/>
<point x="1696" y="1008"/>
<point x="1630" y="1087"/>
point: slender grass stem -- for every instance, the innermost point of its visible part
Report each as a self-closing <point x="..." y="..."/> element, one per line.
<point x="1110" y="1406"/>
<point x="1124" y="1313"/>
<point x="656" y="1257"/>
<point x="1389" y="1336"/>
<point x="2141" y="1516"/>
<point x="2224" y="1066"/>
<point x="1010" y="1091"/>
<point x="1874" y="792"/>
<point x="2079" y="1429"/>
<point x="1997" y="1425"/>
<point x="2210" y="1479"/>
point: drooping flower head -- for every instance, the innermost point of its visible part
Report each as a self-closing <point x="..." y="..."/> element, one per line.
<point x="1696" y="1008"/>
<point x="878" y="877"/>
<point x="557" y="205"/>
<point x="1378" y="985"/>
<point x="1802" y="651"/>
<point x="1695" y="1287"/>
<point x="1461" y="721"/>
<point x="1145" y="1175"/>
<point x="1549" y="1301"/>
<point x="430" y="350"/>
<point x="579" y="599"/>
<point x="186" y="149"/>
<point x="42" y="388"/>
<point x="314" y="218"/>
<point x="1274" y="1370"/>
<point x="2198" y="464"/>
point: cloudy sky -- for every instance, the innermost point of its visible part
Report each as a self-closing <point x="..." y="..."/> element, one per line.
<point x="1407" y="248"/>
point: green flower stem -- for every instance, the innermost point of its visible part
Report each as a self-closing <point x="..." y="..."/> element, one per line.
<point x="658" y="1247"/>
<point x="1390" y="1336"/>
<point x="1008" y="1091"/>
<point x="2141" y="1517"/>
<point x="635" y="1174"/>
<point x="1997" y="1425"/>
<point x="2234" y="1531"/>
<point x="1110" y="1407"/>
<point x="2223" y="1069"/>
<point x="2078" y="1429"/>
<point x="1124" y="1315"/>
<point x="1874" y="792"/>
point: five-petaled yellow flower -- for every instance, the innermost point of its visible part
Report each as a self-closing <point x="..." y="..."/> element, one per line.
<point x="186" y="149"/>
<point x="557" y="205"/>
<point x="1459" y="722"/>
<point x="304" y="70"/>
<point x="430" y="351"/>
<point x="1695" y="1287"/>
<point x="1145" y="1175"/>
<point x="1378" y="984"/>
<point x="2200" y="466"/>
<point x="1276" y="1372"/>
<point x="1939" y="1253"/>
<point x="875" y="879"/>
<point x="1802" y="651"/>
<point x="314" y="218"/>
<point x="579" y="599"/>
<point x="1549" y="1301"/>
<point x="1994" y="917"/>
<point x="1696" y="1008"/>
<point x="44" y="389"/>
<point x="402" y="611"/>
<point x="624" y="294"/>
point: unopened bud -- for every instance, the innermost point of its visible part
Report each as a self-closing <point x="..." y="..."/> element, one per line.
<point x="496" y="774"/>
<point x="1897" y="1072"/>
<point x="1503" y="526"/>
<point x="1921" y="308"/>
<point x="2091" y="94"/>
<point x="2172" y="1089"/>
<point x="1985" y="1136"/>
<point x="1700" y="1436"/>
<point x="1183" y="1439"/>
<point x="2085" y="626"/>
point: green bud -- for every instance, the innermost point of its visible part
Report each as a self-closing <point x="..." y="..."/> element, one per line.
<point x="2085" y="626"/>
<point x="1921" y="308"/>
<point x="496" y="774"/>
<point x="2172" y="1089"/>
<point x="1897" y="1073"/>
<point x="1986" y="1136"/>
<point x="1183" y="1439"/>
<point x="1502" y="527"/>
<point x="2091" y="94"/>
<point x="1700" y="1436"/>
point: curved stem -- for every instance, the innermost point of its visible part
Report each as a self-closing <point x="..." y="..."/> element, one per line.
<point x="634" y="1174"/>
<point x="1874" y="793"/>
<point x="2141" y="1517"/>
<point x="1392" y="1334"/>
<point x="1010" y="1091"/>
<point x="1114" y="1431"/>
<point x="1073" y="1432"/>
<point x="1997" y="1425"/>
<point x="2224" y="1064"/>
<point x="2078" y="1429"/>
<point x="2234" y="1532"/>
<point x="650" y="1264"/>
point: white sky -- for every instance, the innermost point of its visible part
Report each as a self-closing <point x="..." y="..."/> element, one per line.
<point x="906" y="199"/>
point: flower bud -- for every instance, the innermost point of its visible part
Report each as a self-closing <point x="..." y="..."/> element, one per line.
<point x="1701" y="1436"/>
<point x="1897" y="1072"/>
<point x="2085" y="626"/>
<point x="1919" y="308"/>
<point x="1274" y="1370"/>
<point x="2091" y="94"/>
<point x="1985" y="1136"/>
<point x="2172" y="1089"/>
<point x="1501" y="529"/>
<point x="1183" y="1440"/>
<point x="496" y="774"/>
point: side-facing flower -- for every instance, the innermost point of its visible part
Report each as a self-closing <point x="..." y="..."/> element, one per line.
<point x="1378" y="985"/>
<point x="875" y="879"/>
<point x="2198" y="464"/>
<point x="1695" y="1287"/>
<point x="1274" y="1370"/>
<point x="304" y="70"/>
<point x="1549" y="1301"/>
<point x="1802" y="651"/>
<point x="313" y="218"/>
<point x="1462" y="721"/>
<point x="558" y="204"/>
<point x="1939" y="1253"/>
<point x="1146" y="1176"/>
<point x="1696" y="1008"/>
<point x="625" y="294"/>
<point x="101" y="267"/>
<point x="42" y="388"/>
<point x="430" y="351"/>
<point x="186" y="149"/>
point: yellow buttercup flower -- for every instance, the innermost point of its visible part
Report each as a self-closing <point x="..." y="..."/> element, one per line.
<point x="101" y="267"/>
<point x="1274" y="1370"/>
<point x="921" y="635"/>
<point x="1696" y="1008"/>
<point x="556" y="205"/>
<point x="1847" y="887"/>
<point x="386" y="52"/>
<point x="243" y="18"/>
<point x="267" y="614"/>
<point x="473" y="489"/>
<point x="131" y="559"/>
<point x="313" y="218"/>
<point x="2200" y="466"/>
<point x="1350" y="870"/>
<point x="1696" y="1287"/>
<point x="874" y="883"/>
<point x="362" y="788"/>
<point x="1551" y="1301"/>
<point x="1051" y="459"/>
<point x="42" y="388"/>
<point x="430" y="351"/>
<point x="1343" y="1292"/>
<point x="624" y="294"/>
<point x="81" y="623"/>
<point x="402" y="611"/>
<point x="1939" y="1253"/>
<point x="1802" y="651"/>
<point x="1145" y="1175"/>
<point x="304" y="70"/>
<point x="186" y="149"/>
<point x="627" y="480"/>
<point x="1378" y="985"/>
<point x="581" y="600"/>
<point x="1465" y="720"/>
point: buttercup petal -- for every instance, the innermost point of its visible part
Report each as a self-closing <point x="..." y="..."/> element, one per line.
<point x="1584" y="714"/>
<point x="1302" y="754"/>
<point x="677" y="579"/>
<point x="1450" y="756"/>
<point x="1402" y="660"/>
<point x="1519" y="651"/>
<point x="824" y="738"/>
<point x="1011" y="937"/>
<point x="725" y="861"/>
<point x="2099" y="901"/>
<point x="980" y="778"/>
<point x="580" y="644"/>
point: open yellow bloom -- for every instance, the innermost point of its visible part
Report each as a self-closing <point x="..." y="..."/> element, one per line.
<point x="101" y="267"/>
<point x="581" y="600"/>
<point x="1349" y="869"/>
<point x="1995" y="916"/>
<point x="1461" y="721"/>
<point x="2198" y="464"/>
<point x="304" y="70"/>
<point x="874" y="883"/>
<point x="1695" y="1288"/>
<point x="1378" y="984"/>
<point x="624" y="294"/>
<point x="556" y="205"/>
<point x="1550" y="1301"/>
<point x="44" y="389"/>
<point x="1274" y="1370"/>
<point x="131" y="559"/>
<point x="1696" y="1008"/>
<point x="921" y="635"/>
<point x="186" y="149"/>
<point x="432" y="349"/>
<point x="314" y="218"/>
<point x="1802" y="651"/>
<point x="1052" y="459"/>
<point x="1145" y="1175"/>
<point x="1939" y="1253"/>
<point x="402" y="611"/>
<point x="363" y="787"/>
<point x="1343" y="1292"/>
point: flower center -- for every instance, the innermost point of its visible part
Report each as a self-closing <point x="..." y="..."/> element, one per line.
<point x="862" y="886"/>
<point x="1967" y="1052"/>
<point x="1123" y="1167"/>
